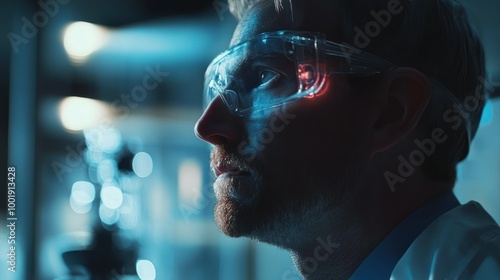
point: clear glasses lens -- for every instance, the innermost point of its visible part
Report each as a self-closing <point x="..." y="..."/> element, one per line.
<point x="262" y="73"/>
<point x="278" y="67"/>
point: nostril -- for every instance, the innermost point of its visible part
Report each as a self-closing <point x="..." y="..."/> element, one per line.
<point x="216" y="140"/>
<point x="213" y="134"/>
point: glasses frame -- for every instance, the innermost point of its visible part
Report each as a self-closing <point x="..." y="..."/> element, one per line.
<point x="359" y="64"/>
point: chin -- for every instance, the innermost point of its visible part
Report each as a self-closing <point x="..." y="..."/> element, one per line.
<point x="278" y="217"/>
<point x="265" y="219"/>
<point x="232" y="217"/>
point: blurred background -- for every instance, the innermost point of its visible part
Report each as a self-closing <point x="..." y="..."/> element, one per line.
<point x="98" y="103"/>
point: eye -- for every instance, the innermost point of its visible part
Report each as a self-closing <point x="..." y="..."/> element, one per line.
<point x="268" y="77"/>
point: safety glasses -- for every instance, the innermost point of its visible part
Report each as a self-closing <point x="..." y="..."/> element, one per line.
<point x="276" y="68"/>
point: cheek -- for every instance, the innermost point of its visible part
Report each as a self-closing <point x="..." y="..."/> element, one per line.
<point x="313" y="135"/>
<point x="322" y="128"/>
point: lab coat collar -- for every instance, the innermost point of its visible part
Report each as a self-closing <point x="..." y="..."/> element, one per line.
<point x="382" y="260"/>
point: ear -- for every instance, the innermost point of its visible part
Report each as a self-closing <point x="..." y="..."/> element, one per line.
<point x="404" y="94"/>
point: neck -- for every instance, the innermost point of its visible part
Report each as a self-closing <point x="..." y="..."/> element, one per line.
<point x="340" y="242"/>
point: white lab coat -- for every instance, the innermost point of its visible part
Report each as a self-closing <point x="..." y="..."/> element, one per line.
<point x="463" y="243"/>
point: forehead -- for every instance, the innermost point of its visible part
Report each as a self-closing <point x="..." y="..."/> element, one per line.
<point x="313" y="15"/>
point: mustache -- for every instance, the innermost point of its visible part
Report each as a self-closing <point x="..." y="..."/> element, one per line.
<point x="223" y="156"/>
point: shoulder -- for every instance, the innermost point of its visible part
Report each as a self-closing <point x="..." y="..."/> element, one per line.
<point x="462" y="243"/>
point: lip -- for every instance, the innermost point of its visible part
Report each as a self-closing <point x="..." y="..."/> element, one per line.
<point x="220" y="169"/>
<point x="230" y="170"/>
<point x="240" y="186"/>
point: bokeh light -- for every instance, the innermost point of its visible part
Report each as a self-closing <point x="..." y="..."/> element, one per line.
<point x="108" y="216"/>
<point x="78" y="113"/>
<point x="190" y="182"/>
<point x="142" y="164"/>
<point x="81" y="39"/>
<point x="83" y="192"/>
<point x="106" y="170"/>
<point x="111" y="196"/>
<point x="146" y="270"/>
<point x="82" y="196"/>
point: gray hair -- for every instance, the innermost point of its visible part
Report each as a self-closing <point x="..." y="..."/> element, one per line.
<point x="239" y="7"/>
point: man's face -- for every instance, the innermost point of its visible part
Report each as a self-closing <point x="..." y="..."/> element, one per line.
<point x="280" y="170"/>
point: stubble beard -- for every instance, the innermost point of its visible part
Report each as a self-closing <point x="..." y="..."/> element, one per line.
<point x="289" y="203"/>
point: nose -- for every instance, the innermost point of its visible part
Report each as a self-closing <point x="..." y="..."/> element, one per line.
<point x="217" y="125"/>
